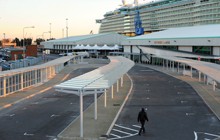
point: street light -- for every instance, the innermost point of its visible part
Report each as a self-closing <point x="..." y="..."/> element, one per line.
<point x="67" y="34"/>
<point x="67" y="27"/>
<point x="50" y="30"/>
<point x="23" y="40"/>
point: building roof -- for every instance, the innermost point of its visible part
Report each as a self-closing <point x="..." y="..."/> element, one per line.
<point x="91" y="39"/>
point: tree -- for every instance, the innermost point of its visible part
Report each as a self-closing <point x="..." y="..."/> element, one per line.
<point x="17" y="41"/>
<point x="39" y="40"/>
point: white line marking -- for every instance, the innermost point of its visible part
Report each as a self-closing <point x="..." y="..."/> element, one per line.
<point x="26" y="134"/>
<point x="115" y="135"/>
<point x="11" y="115"/>
<point x="195" y="134"/>
<point x="137" y="126"/>
<point x="126" y="128"/>
<point x="190" y="114"/>
<point x="121" y="131"/>
<point x="206" y="139"/>
<point x="212" y="134"/>
<point x="50" y="136"/>
<point x="183" y="102"/>
<point x="54" y="115"/>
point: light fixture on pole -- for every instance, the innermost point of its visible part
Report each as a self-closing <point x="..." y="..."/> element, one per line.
<point x="50" y="31"/>
<point x="67" y="27"/>
<point x="24" y="39"/>
<point x="67" y="35"/>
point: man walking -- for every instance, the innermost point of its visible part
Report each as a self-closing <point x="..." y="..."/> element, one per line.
<point x="142" y="116"/>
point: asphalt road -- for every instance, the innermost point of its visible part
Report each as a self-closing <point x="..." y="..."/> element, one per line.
<point x="175" y="110"/>
<point x="42" y="117"/>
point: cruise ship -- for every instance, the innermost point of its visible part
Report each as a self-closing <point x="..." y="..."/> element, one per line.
<point x="161" y="15"/>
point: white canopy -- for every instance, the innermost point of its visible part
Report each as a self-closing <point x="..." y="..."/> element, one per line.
<point x="97" y="80"/>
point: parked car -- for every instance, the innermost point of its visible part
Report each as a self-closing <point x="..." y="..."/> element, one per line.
<point x="62" y="54"/>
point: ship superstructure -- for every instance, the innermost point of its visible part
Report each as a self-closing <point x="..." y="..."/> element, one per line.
<point x="160" y="15"/>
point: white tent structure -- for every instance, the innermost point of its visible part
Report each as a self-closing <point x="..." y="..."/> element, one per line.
<point x="96" y="81"/>
<point x="72" y="42"/>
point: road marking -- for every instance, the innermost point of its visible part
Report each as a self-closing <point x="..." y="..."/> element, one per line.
<point x="54" y="115"/>
<point x="195" y="134"/>
<point x="6" y="106"/>
<point x="190" y="114"/>
<point x="148" y="90"/>
<point x="48" y="136"/>
<point x="121" y="131"/>
<point x="212" y="134"/>
<point x="209" y="134"/>
<point x="8" y="115"/>
<point x="126" y="128"/>
<point x="137" y="126"/>
<point x="115" y="135"/>
<point x="26" y="134"/>
<point x="183" y="102"/>
<point x="11" y="115"/>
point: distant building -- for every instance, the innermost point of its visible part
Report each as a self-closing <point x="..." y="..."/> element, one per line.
<point x="8" y="43"/>
<point x="15" y="53"/>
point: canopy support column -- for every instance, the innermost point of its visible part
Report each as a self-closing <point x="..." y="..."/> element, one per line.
<point x="163" y="63"/>
<point x="173" y="66"/>
<point x="105" y="98"/>
<point x="81" y="114"/>
<point x="95" y="101"/>
<point x="112" y="91"/>
<point x="191" y="71"/>
<point x="178" y="67"/>
<point x="122" y="81"/>
<point x="117" y="86"/>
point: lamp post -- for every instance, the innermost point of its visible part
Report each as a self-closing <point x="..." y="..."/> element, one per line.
<point x="50" y="31"/>
<point x="67" y="27"/>
<point x="23" y="40"/>
<point x="67" y="35"/>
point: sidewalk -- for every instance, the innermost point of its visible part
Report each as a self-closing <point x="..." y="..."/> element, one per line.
<point x="210" y="97"/>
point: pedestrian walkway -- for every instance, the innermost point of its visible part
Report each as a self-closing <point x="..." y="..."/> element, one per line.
<point x="210" y="97"/>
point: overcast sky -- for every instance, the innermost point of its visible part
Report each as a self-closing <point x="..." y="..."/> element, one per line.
<point x="81" y="15"/>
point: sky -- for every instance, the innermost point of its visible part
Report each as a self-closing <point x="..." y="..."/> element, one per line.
<point x="81" y="15"/>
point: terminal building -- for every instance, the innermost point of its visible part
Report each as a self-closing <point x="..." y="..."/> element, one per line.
<point x="189" y="42"/>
